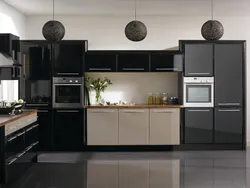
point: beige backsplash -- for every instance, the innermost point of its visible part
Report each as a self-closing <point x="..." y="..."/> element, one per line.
<point x="134" y="87"/>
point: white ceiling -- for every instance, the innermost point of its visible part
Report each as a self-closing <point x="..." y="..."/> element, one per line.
<point x="126" y="7"/>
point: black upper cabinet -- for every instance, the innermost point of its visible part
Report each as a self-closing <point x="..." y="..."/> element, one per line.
<point x="100" y="62"/>
<point x="228" y="125"/>
<point x="68" y="129"/>
<point x="166" y="62"/>
<point x="10" y="45"/>
<point x="133" y="62"/>
<point x="69" y="58"/>
<point x="198" y="124"/>
<point x="198" y="60"/>
<point x="10" y="73"/>
<point x="229" y="60"/>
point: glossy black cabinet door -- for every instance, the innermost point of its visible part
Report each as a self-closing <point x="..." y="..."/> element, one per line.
<point x="198" y="124"/>
<point x="68" y="59"/>
<point x="228" y="125"/>
<point x="9" y="45"/>
<point x="45" y="130"/>
<point x="68" y="129"/>
<point x="198" y="60"/>
<point x="229" y="74"/>
<point x="133" y="62"/>
<point x="100" y="62"/>
<point x="165" y="62"/>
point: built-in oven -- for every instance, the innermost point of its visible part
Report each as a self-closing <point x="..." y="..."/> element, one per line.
<point x="68" y="92"/>
<point x="198" y="92"/>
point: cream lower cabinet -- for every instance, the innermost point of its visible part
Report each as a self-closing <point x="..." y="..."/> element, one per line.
<point x="133" y="126"/>
<point x="102" y="127"/>
<point x="164" y="126"/>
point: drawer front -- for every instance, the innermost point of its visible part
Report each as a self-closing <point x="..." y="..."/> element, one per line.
<point x="31" y="135"/>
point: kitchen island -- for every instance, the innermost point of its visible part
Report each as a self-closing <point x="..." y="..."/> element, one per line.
<point x="18" y="144"/>
<point x="133" y="125"/>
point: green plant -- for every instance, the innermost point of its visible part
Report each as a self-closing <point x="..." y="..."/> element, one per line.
<point x="99" y="85"/>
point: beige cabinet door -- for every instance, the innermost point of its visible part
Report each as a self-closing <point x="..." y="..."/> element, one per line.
<point x="102" y="173"/>
<point x="165" y="126"/>
<point x="102" y="126"/>
<point x="133" y="173"/>
<point x="164" y="173"/>
<point x="133" y="126"/>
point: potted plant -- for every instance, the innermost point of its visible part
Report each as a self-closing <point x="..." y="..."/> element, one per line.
<point x="98" y="85"/>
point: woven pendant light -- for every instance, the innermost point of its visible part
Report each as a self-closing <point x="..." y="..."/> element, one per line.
<point x="136" y="30"/>
<point x="212" y="29"/>
<point x="53" y="30"/>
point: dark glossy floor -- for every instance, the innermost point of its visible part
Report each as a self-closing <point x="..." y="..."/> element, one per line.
<point x="220" y="169"/>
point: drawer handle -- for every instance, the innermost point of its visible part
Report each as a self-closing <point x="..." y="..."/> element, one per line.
<point x="162" y="69"/>
<point x="67" y="73"/>
<point x="12" y="138"/>
<point x="164" y="111"/>
<point x="198" y="110"/>
<point x="229" y="110"/>
<point x="199" y="73"/>
<point x="228" y="104"/>
<point x="102" y="111"/>
<point x="42" y="111"/>
<point x="100" y="69"/>
<point x="21" y="154"/>
<point x="133" y="111"/>
<point x="28" y="148"/>
<point x="130" y="69"/>
<point x="34" y="126"/>
<point x="12" y="161"/>
<point x="35" y="143"/>
<point x="67" y="111"/>
<point x="29" y="129"/>
<point x="20" y="134"/>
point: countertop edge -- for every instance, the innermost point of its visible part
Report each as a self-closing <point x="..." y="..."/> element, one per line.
<point x="19" y="116"/>
<point x="134" y="106"/>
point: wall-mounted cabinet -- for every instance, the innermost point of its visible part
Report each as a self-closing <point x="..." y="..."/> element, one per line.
<point x="9" y="45"/>
<point x="102" y="61"/>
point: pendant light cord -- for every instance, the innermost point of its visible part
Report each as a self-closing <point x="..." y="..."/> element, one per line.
<point x="135" y="9"/>
<point x="53" y="9"/>
<point x="212" y="9"/>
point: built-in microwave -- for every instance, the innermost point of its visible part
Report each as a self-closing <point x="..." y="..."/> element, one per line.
<point x="198" y="92"/>
<point x="68" y="92"/>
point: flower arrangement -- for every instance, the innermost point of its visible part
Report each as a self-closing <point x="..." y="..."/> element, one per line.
<point x="99" y="85"/>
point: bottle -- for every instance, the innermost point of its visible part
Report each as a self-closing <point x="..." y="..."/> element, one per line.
<point x="150" y="98"/>
<point x="157" y="98"/>
<point x="165" y="98"/>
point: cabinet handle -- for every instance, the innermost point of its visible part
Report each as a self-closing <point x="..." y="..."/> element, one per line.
<point x="21" y="154"/>
<point x="20" y="134"/>
<point x="199" y="73"/>
<point x="35" y="143"/>
<point x="164" y="111"/>
<point x="229" y="110"/>
<point x="135" y="69"/>
<point x="42" y="111"/>
<point x="102" y="111"/>
<point x="67" y="73"/>
<point x="67" y="111"/>
<point x="132" y="111"/>
<point x="28" y="148"/>
<point x="34" y="126"/>
<point x="12" y="161"/>
<point x="29" y="129"/>
<point x="13" y="72"/>
<point x="229" y="104"/>
<point x="198" y="110"/>
<point x="12" y="138"/>
<point x="162" y="69"/>
<point x="100" y="69"/>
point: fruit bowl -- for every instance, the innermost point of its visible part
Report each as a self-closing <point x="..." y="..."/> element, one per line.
<point x="6" y="110"/>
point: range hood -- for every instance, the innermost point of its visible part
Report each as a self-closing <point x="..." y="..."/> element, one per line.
<point x="7" y="61"/>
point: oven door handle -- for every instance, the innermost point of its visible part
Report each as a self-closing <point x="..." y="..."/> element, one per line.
<point x="67" y="84"/>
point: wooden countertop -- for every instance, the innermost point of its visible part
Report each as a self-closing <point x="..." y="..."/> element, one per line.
<point x="134" y="106"/>
<point x="5" y="119"/>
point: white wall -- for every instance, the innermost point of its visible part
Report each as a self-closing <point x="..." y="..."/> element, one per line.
<point x="11" y="21"/>
<point x="107" y="32"/>
<point x="134" y="87"/>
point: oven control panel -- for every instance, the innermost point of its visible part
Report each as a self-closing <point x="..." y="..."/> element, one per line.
<point x="68" y="80"/>
<point x="198" y="80"/>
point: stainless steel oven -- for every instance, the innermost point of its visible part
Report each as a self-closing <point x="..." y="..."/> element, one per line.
<point x="198" y="92"/>
<point x="68" y="92"/>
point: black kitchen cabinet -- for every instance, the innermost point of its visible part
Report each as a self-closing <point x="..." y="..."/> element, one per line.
<point x="166" y="62"/>
<point x="68" y="129"/>
<point x="100" y="62"/>
<point x="45" y="129"/>
<point x="198" y="60"/>
<point x="9" y="45"/>
<point x="198" y="125"/>
<point x="229" y="60"/>
<point x="228" y="125"/>
<point x="133" y="62"/>
<point x="10" y="73"/>
<point x="69" y="58"/>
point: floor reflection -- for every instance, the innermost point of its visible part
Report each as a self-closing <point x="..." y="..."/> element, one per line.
<point x="139" y="170"/>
